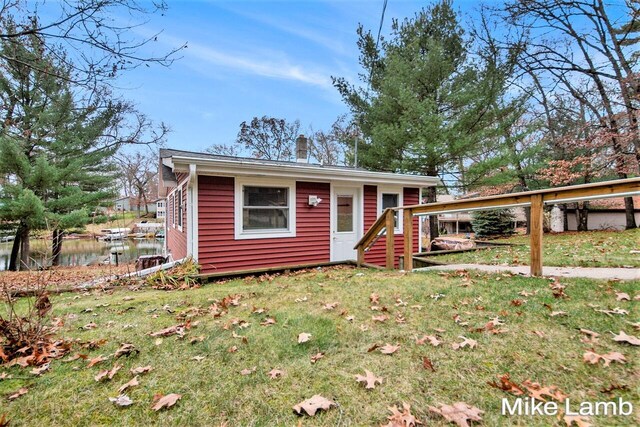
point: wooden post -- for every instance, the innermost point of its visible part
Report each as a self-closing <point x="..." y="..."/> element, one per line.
<point x="389" y="229"/>
<point x="408" y="239"/>
<point x="536" y="231"/>
<point x="360" y="255"/>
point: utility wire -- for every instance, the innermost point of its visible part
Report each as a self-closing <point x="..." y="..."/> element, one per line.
<point x="384" y="9"/>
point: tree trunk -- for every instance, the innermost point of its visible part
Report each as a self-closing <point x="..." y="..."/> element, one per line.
<point x="24" y="248"/>
<point x="629" y="213"/>
<point x="582" y="216"/>
<point x="15" y="250"/>
<point x="433" y="219"/>
<point x="56" y="247"/>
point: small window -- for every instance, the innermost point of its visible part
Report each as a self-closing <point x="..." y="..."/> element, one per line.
<point x="265" y="208"/>
<point x="345" y="214"/>
<point x="391" y="200"/>
<point x="180" y="208"/>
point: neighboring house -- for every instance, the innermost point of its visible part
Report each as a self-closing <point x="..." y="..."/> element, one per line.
<point x="161" y="208"/>
<point x="604" y="214"/>
<point x="240" y="214"/>
<point x="122" y="204"/>
<point x="460" y="222"/>
<point x="131" y="204"/>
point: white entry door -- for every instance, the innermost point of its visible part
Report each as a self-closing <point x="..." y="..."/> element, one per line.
<point x="345" y="223"/>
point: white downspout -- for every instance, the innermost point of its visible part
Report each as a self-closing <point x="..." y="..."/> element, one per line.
<point x="192" y="217"/>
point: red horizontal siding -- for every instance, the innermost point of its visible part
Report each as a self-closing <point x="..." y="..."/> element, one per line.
<point x="218" y="251"/>
<point x="377" y="253"/>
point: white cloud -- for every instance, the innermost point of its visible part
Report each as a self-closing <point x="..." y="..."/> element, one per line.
<point x="251" y="64"/>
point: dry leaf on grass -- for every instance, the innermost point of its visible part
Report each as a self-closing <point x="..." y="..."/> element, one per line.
<point x="41" y="369"/>
<point x="622" y="296"/>
<point x="427" y="364"/>
<point x="389" y="349"/>
<point x="268" y="321"/>
<point x="459" y="413"/>
<point x="248" y="371"/>
<point x="313" y="405"/>
<point x="401" y="419"/>
<point x="629" y="339"/>
<point x="368" y="379"/>
<point x="467" y="342"/>
<point x="330" y="306"/>
<point x="381" y="318"/>
<point x="433" y="340"/>
<point x="317" y="357"/>
<point x="578" y="420"/>
<point x="134" y="382"/>
<point x="374" y="298"/>
<point x="538" y="392"/>
<point x="95" y="361"/>
<point x="275" y="373"/>
<point x="594" y="358"/>
<point x="126" y="349"/>
<point x="122" y="400"/>
<point x="141" y="370"/>
<point x="538" y="333"/>
<point x="303" y="337"/>
<point x="198" y="358"/>
<point x="18" y="393"/>
<point x="507" y="385"/>
<point x="167" y="401"/>
<point x="108" y="374"/>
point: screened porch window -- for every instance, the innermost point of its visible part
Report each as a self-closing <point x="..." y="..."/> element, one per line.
<point x="265" y="208"/>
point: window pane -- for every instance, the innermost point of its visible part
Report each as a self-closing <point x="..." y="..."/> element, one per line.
<point x="266" y="196"/>
<point x="265" y="219"/>
<point x="345" y="213"/>
<point x="391" y="201"/>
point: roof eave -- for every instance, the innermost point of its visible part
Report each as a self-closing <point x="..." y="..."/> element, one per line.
<point x="256" y="168"/>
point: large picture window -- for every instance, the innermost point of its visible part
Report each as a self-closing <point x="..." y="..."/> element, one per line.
<point x="264" y="210"/>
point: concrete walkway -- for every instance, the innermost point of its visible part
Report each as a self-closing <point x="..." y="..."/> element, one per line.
<point x="589" y="273"/>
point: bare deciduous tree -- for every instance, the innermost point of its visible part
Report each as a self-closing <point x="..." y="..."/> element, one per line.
<point x="269" y="138"/>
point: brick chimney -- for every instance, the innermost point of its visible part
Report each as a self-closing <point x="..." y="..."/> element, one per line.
<point x="302" y="149"/>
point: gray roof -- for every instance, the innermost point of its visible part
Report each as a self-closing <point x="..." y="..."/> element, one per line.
<point x="167" y="152"/>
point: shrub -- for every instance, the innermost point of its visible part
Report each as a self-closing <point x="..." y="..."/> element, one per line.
<point x="494" y="222"/>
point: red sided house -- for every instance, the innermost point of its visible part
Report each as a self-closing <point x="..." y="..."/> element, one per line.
<point x="235" y="214"/>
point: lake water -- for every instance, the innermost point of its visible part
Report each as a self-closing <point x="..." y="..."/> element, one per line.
<point x="85" y="251"/>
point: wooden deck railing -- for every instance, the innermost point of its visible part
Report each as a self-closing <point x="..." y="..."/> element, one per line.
<point x="534" y="199"/>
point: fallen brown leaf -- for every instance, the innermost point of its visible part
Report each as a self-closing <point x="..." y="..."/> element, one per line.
<point x="18" y="393"/>
<point x="317" y="357"/>
<point x="389" y="349"/>
<point x="141" y="370"/>
<point x="303" y="337"/>
<point x="368" y="379"/>
<point x="427" y="364"/>
<point x="275" y="373"/>
<point x="122" y="400"/>
<point x="459" y="413"/>
<point x="134" y="382"/>
<point x="467" y="342"/>
<point x="167" y="401"/>
<point x="401" y="419"/>
<point x="624" y="338"/>
<point x="313" y="405"/>
<point x="578" y="420"/>
<point x="96" y="360"/>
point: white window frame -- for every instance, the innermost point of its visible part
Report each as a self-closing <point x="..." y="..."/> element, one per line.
<point x="240" y="183"/>
<point x="399" y="191"/>
<point x="179" y="208"/>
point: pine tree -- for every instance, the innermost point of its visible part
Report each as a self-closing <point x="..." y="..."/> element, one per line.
<point x="493" y="222"/>
<point x="53" y="156"/>
<point x="428" y="106"/>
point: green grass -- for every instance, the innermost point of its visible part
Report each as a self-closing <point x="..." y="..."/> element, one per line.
<point x="584" y="249"/>
<point x="213" y="391"/>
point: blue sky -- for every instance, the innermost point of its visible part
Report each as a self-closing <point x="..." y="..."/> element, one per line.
<point x="249" y="58"/>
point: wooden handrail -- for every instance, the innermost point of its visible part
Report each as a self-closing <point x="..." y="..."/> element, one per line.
<point x="373" y="231"/>
<point x="596" y="190"/>
<point x="535" y="199"/>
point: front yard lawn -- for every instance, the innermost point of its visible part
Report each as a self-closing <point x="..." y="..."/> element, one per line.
<point x="221" y="366"/>
<point x="571" y="249"/>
